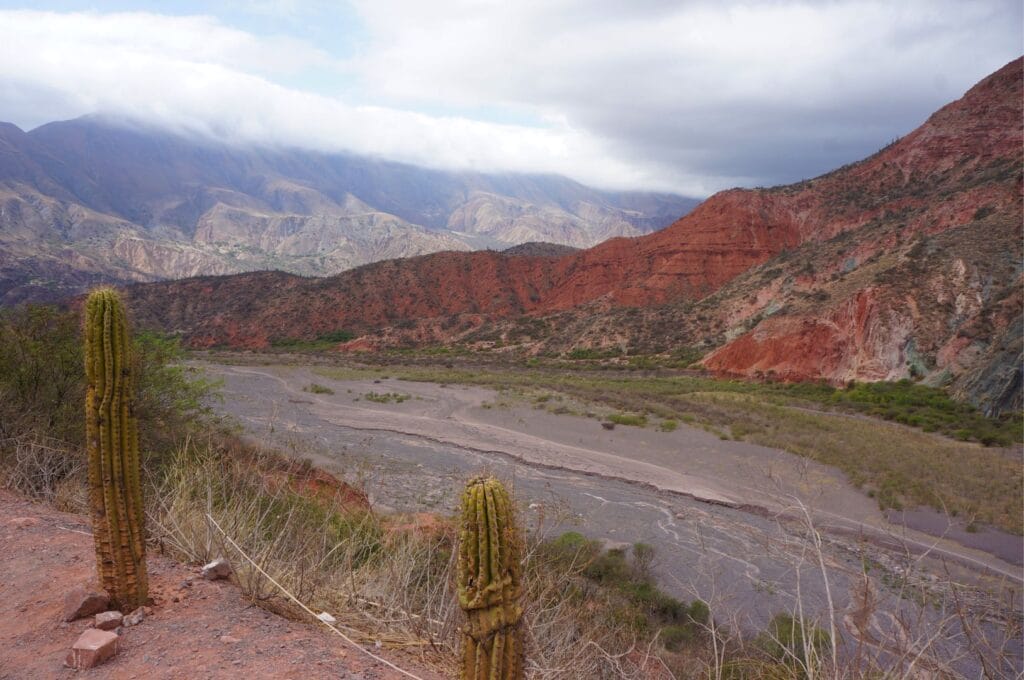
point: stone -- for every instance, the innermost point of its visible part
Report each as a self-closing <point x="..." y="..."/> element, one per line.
<point x="229" y="639"/>
<point x="135" y="618"/>
<point x="108" y="620"/>
<point x="92" y="648"/>
<point x="326" y="618"/>
<point x="83" y="601"/>
<point x="218" y="569"/>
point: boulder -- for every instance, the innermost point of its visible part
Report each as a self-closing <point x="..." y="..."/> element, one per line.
<point x="218" y="569"/>
<point x="83" y="601"/>
<point x="107" y="620"/>
<point x="92" y="648"/>
<point x="135" y="618"/>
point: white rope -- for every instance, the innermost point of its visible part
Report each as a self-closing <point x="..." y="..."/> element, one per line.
<point x="294" y="599"/>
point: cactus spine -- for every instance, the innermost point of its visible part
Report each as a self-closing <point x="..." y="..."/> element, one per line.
<point x="115" y="489"/>
<point x="488" y="583"/>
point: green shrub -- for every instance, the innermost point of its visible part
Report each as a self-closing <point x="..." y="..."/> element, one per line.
<point x="676" y="637"/>
<point x="628" y="419"/>
<point x="793" y="642"/>
<point x="386" y="397"/>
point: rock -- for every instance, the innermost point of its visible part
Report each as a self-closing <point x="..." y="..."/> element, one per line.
<point x="22" y="522"/>
<point x="135" y="618"/>
<point x="108" y="620"/>
<point x="218" y="569"/>
<point x="82" y="602"/>
<point x="92" y="648"/>
<point x="229" y="640"/>
<point x="326" y="618"/>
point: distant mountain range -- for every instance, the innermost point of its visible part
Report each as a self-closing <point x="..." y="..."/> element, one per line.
<point x="93" y="200"/>
<point x="904" y="265"/>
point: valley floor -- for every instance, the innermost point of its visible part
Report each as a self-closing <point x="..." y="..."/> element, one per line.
<point x="727" y="518"/>
<point x="200" y="630"/>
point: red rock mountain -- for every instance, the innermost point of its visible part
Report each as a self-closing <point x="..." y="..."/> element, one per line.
<point x="907" y="262"/>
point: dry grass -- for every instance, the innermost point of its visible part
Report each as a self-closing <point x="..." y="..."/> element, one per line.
<point x="387" y="579"/>
<point x="383" y="578"/>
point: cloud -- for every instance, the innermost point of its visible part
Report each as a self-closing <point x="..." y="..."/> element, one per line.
<point x="741" y="92"/>
<point x="658" y="95"/>
<point x="187" y="75"/>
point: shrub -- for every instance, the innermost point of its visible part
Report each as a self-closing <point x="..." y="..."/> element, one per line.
<point x="628" y="419"/>
<point x="793" y="642"/>
<point x="675" y="637"/>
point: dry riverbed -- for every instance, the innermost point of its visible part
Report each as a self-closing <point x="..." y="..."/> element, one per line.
<point x="730" y="520"/>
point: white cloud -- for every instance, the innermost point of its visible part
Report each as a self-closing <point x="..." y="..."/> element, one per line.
<point x="187" y="74"/>
<point x="648" y="94"/>
<point x="755" y="90"/>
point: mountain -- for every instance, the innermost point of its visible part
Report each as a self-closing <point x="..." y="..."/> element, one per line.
<point x="905" y="264"/>
<point x="93" y="200"/>
<point x="539" y="249"/>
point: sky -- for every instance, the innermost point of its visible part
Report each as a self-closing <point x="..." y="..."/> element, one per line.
<point x="683" y="96"/>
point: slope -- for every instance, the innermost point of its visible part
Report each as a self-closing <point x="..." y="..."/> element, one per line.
<point x="904" y="264"/>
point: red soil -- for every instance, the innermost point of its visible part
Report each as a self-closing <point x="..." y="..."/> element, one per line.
<point x="206" y="630"/>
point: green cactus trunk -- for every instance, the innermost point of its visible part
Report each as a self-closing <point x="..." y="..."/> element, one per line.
<point x="488" y="583"/>
<point x="112" y="440"/>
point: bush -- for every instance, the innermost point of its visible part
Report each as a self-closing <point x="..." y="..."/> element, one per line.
<point x="793" y="642"/>
<point x="42" y="382"/>
<point x="317" y="388"/>
<point x="628" y="419"/>
<point x="677" y="636"/>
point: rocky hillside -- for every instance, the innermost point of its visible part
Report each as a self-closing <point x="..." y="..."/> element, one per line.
<point x="904" y="264"/>
<point x="91" y="200"/>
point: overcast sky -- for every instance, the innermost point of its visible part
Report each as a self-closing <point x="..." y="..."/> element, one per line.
<point x="643" y="94"/>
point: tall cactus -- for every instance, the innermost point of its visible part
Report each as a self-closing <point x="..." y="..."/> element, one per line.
<point x="488" y="583"/>
<point x="112" y="440"/>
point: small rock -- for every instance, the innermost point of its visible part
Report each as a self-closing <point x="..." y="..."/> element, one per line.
<point x="135" y="618"/>
<point x="92" y="648"/>
<point x="82" y="602"/>
<point x="107" y="620"/>
<point x="229" y="640"/>
<point x="326" y="618"/>
<point x="219" y="568"/>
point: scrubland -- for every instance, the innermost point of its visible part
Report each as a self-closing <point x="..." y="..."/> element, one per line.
<point x="298" y="534"/>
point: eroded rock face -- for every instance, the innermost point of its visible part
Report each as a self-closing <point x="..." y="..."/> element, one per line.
<point x="902" y="264"/>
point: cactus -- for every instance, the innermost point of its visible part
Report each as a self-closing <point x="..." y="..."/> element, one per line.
<point x="488" y="584"/>
<point x="115" y="489"/>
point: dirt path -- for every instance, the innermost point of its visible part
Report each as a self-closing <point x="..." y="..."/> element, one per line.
<point x="197" y="631"/>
